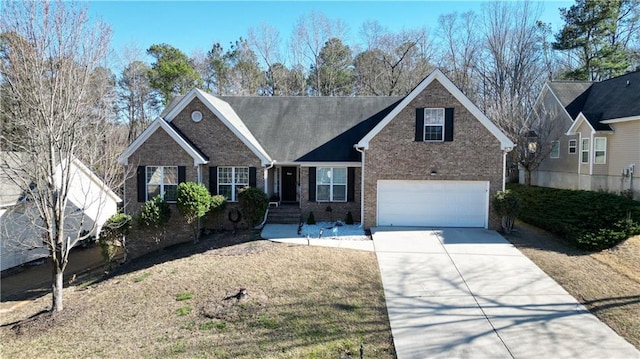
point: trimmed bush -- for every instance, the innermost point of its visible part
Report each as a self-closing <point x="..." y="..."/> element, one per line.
<point x="311" y="219"/>
<point x="592" y="220"/>
<point x="112" y="236"/>
<point x="348" y="219"/>
<point x="155" y="212"/>
<point x="253" y="203"/>
<point x="193" y="202"/>
<point x="218" y="202"/>
<point x="507" y="205"/>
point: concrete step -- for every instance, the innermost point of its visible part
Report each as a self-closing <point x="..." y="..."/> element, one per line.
<point x="284" y="215"/>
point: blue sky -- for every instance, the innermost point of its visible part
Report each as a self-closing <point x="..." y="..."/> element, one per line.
<point x="196" y="25"/>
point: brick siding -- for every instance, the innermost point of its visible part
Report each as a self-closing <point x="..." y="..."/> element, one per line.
<point x="393" y="154"/>
<point x="339" y="209"/>
<point x="216" y="141"/>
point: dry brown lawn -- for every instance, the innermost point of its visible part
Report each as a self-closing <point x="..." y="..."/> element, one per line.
<point x="607" y="282"/>
<point x="302" y="301"/>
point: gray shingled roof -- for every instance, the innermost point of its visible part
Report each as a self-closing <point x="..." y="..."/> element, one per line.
<point x="618" y="97"/>
<point x="311" y="128"/>
<point x="571" y="94"/>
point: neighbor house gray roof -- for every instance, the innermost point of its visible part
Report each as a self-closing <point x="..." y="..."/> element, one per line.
<point x="571" y="95"/>
<point x="618" y="97"/>
<point x="615" y="98"/>
<point x="311" y="129"/>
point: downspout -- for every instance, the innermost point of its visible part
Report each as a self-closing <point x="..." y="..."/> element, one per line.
<point x="592" y="156"/>
<point x="265" y="176"/>
<point x="361" y="150"/>
<point x="504" y="167"/>
<point x="266" y="191"/>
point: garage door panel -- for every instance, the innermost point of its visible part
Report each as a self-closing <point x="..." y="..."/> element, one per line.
<point x="432" y="203"/>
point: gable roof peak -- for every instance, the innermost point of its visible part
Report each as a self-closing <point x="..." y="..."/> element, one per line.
<point x="437" y="75"/>
<point x="227" y="116"/>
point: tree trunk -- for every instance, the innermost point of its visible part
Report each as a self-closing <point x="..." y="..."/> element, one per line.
<point x="57" y="286"/>
<point x="527" y="176"/>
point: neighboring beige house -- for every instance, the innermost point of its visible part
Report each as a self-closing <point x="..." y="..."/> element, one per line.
<point x="91" y="203"/>
<point x="598" y="128"/>
<point x="430" y="158"/>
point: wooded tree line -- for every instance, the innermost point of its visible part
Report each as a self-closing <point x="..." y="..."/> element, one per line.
<point x="499" y="58"/>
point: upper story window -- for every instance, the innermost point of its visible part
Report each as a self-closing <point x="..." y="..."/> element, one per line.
<point x="231" y="180"/>
<point x="584" y="151"/>
<point x="555" y="149"/>
<point x="163" y="181"/>
<point x="600" y="149"/>
<point x="573" y="146"/>
<point x="434" y="124"/>
<point x="331" y="184"/>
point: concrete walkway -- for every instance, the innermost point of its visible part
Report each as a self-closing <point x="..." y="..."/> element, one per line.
<point x="468" y="293"/>
<point x="288" y="233"/>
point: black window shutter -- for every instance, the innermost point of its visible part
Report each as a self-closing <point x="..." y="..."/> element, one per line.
<point x="448" y="124"/>
<point x="312" y="184"/>
<point x="213" y="180"/>
<point x="142" y="183"/>
<point x="252" y="177"/>
<point x="351" y="184"/>
<point x="182" y="174"/>
<point x="419" y="124"/>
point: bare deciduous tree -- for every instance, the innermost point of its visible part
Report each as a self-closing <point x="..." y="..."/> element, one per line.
<point x="50" y="56"/>
<point x="459" y="42"/>
<point x="309" y="37"/>
<point x="392" y="63"/>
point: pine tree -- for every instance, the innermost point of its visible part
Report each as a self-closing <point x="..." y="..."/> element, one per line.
<point x="598" y="33"/>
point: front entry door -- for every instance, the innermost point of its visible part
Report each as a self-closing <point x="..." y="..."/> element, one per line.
<point x="289" y="184"/>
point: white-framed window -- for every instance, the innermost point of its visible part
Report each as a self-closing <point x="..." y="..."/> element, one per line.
<point x="434" y="124"/>
<point x="555" y="149"/>
<point x="600" y="149"/>
<point x="584" y="151"/>
<point x="231" y="180"/>
<point x="331" y="184"/>
<point x="163" y="181"/>
<point x="573" y="146"/>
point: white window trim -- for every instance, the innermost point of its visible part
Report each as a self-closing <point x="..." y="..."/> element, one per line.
<point x="583" y="150"/>
<point x="557" y="152"/>
<point x="575" y="147"/>
<point x="161" y="184"/>
<point x="233" y="183"/>
<point x="424" y="128"/>
<point x="595" y="141"/>
<point x="331" y="184"/>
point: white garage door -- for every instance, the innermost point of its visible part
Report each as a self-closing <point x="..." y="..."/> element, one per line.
<point x="433" y="203"/>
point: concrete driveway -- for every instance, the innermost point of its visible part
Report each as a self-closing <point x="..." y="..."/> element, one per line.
<point x="468" y="293"/>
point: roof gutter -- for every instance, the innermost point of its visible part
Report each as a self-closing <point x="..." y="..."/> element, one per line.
<point x="361" y="150"/>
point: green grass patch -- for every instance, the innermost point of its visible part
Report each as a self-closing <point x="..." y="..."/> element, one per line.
<point x="265" y="321"/>
<point x="142" y="277"/>
<point x="591" y="220"/>
<point x="88" y="282"/>
<point x="184" y="296"/>
<point x="188" y="326"/>
<point x="212" y="324"/>
<point x="182" y="311"/>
